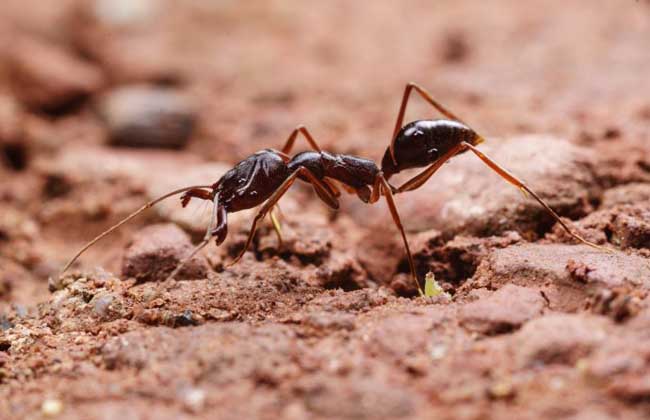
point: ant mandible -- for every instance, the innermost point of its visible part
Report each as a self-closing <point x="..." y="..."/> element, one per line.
<point x="264" y="177"/>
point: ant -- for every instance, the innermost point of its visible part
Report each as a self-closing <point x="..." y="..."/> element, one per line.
<point x="264" y="177"/>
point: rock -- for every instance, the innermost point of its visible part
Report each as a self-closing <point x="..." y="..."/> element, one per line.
<point x="624" y="225"/>
<point x="626" y="194"/>
<point x="503" y="311"/>
<point x="631" y="227"/>
<point x="558" y="338"/>
<point x="567" y="274"/>
<point x="155" y="252"/>
<point x="47" y="76"/>
<point x="145" y="116"/>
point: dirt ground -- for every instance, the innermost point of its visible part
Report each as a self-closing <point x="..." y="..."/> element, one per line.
<point x="328" y="325"/>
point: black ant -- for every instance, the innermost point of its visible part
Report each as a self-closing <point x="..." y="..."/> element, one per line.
<point x="264" y="177"/>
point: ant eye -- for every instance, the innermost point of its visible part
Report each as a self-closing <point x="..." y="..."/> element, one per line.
<point x="433" y="152"/>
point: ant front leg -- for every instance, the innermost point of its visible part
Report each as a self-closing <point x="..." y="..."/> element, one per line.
<point x="292" y="139"/>
<point x="402" y="111"/>
<point x="218" y="227"/>
<point x="382" y="187"/>
<point x="195" y="193"/>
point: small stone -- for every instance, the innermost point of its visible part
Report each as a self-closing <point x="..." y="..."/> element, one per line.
<point x="438" y="351"/>
<point x="156" y="250"/>
<point x="505" y="310"/>
<point x="146" y="116"/>
<point x="631" y="227"/>
<point x="501" y="389"/>
<point x="193" y="399"/>
<point x="51" y="407"/>
<point x="46" y="75"/>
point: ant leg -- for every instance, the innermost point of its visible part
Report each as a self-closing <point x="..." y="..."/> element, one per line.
<point x="275" y="197"/>
<point x="276" y="224"/>
<point x="126" y="219"/>
<point x="402" y="111"/>
<point x="292" y="139"/>
<point x="376" y="190"/>
<point x="509" y="177"/>
<point x="195" y="193"/>
<point x="418" y="180"/>
<point x="333" y="187"/>
<point x="199" y="247"/>
<point x="393" y="211"/>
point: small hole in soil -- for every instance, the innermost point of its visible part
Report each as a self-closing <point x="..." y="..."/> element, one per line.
<point x="56" y="186"/>
<point x="15" y="155"/>
<point x="4" y="347"/>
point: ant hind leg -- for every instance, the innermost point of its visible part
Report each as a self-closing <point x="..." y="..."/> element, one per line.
<point x="509" y="177"/>
<point x="292" y="139"/>
<point x="387" y="193"/>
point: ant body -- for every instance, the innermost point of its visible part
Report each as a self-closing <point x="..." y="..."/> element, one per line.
<point x="264" y="177"/>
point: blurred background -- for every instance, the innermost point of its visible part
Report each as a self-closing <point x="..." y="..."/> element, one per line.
<point x="162" y="93"/>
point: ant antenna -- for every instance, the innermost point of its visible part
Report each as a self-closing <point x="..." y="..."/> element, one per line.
<point x="126" y="219"/>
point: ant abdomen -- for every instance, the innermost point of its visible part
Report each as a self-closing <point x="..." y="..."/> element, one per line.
<point x="422" y="142"/>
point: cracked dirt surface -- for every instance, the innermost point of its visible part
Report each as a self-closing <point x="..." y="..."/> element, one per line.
<point x="326" y="325"/>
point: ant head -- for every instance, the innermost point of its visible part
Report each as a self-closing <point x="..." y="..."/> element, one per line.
<point x="477" y="140"/>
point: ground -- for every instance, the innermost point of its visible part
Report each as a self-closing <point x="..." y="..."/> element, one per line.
<point x="328" y="324"/>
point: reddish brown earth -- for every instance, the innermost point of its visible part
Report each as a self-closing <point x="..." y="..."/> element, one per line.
<point x="326" y="326"/>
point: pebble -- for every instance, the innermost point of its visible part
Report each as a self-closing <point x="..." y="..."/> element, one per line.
<point x="156" y="250"/>
<point x="193" y="399"/>
<point x="148" y="116"/>
<point x="48" y="76"/>
<point x="51" y="407"/>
